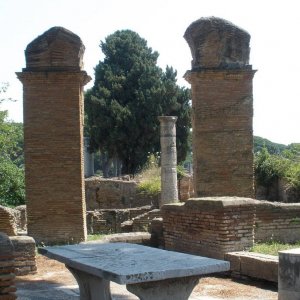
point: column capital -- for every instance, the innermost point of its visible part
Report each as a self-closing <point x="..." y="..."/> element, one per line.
<point x="166" y="119"/>
<point x="28" y="76"/>
<point x="219" y="74"/>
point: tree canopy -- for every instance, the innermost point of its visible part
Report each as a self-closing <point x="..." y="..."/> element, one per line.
<point x="12" y="188"/>
<point x="129" y="93"/>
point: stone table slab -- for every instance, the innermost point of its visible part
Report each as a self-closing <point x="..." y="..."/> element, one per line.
<point x="149" y="273"/>
<point x="129" y="263"/>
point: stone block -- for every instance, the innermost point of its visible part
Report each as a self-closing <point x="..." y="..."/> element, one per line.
<point x="7" y="275"/>
<point x="25" y="258"/>
<point x="289" y="275"/>
<point x="260" y="266"/>
<point x="8" y="222"/>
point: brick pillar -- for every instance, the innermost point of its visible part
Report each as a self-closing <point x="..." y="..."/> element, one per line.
<point x="7" y="270"/>
<point x="169" y="191"/>
<point x="222" y="104"/>
<point x="53" y="83"/>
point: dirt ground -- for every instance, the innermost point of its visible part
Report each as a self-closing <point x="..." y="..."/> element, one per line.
<point x="211" y="287"/>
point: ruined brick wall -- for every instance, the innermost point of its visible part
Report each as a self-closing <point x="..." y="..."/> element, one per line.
<point x="209" y="226"/>
<point x="8" y="223"/>
<point x="115" y="194"/>
<point x="277" y="221"/>
<point x="222" y="108"/>
<point x="110" y="220"/>
<point x="102" y="193"/>
<point x="185" y="188"/>
<point x="24" y="254"/>
<point x="143" y="221"/>
<point x="280" y="190"/>
<point x="7" y="269"/>
<point x="53" y="83"/>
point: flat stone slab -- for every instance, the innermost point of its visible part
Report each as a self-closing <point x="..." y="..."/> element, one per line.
<point x="126" y="263"/>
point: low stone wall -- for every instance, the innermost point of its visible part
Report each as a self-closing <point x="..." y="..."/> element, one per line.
<point x="25" y="259"/>
<point x="115" y="194"/>
<point x="143" y="222"/>
<point x="142" y="238"/>
<point x="209" y="226"/>
<point x="21" y="218"/>
<point x="256" y="265"/>
<point x="7" y="269"/>
<point x="110" y="220"/>
<point x="277" y="221"/>
<point x="280" y="190"/>
<point x="104" y="193"/>
<point x="8" y="222"/>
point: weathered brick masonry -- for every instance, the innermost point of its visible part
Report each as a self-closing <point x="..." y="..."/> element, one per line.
<point x="209" y="226"/>
<point x="53" y="83"/>
<point x="222" y="103"/>
<point x="277" y="221"/>
<point x="102" y="193"/>
<point x="212" y="226"/>
<point x="7" y="269"/>
<point x="8" y="221"/>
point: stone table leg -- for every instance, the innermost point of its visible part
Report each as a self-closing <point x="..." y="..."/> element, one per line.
<point x="91" y="287"/>
<point x="175" y="289"/>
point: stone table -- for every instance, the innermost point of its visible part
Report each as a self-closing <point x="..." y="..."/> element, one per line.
<point x="149" y="273"/>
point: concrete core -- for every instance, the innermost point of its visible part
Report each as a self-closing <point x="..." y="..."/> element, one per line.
<point x="217" y="43"/>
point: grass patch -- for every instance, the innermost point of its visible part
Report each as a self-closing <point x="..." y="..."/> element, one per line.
<point x="149" y="178"/>
<point x="95" y="237"/>
<point x="152" y="186"/>
<point x="273" y="247"/>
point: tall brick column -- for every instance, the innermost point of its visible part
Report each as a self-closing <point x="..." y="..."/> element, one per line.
<point x="53" y="83"/>
<point x="169" y="190"/>
<point x="222" y="103"/>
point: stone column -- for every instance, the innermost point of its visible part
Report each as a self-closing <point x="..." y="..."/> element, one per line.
<point x="88" y="159"/>
<point x="222" y="108"/>
<point x="169" y="191"/>
<point x="289" y="275"/>
<point x="53" y="83"/>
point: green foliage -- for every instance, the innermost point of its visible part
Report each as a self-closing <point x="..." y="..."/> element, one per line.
<point x="12" y="188"/>
<point x="150" y="179"/>
<point x="293" y="175"/>
<point x="151" y="187"/>
<point x="129" y="93"/>
<point x="181" y="172"/>
<point x="269" y="167"/>
<point x="273" y="148"/>
<point x="272" y="247"/>
<point x="95" y="237"/>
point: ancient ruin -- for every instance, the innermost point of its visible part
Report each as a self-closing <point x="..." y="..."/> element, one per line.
<point x="222" y="105"/>
<point x="53" y="83"/>
<point x="7" y="267"/>
<point x="169" y="190"/>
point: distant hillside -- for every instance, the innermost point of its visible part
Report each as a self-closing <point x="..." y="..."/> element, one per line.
<point x="273" y="148"/>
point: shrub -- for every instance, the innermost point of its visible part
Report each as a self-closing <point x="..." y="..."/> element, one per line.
<point x="12" y="187"/>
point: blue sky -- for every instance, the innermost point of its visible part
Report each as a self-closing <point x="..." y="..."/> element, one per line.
<point x="274" y="27"/>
